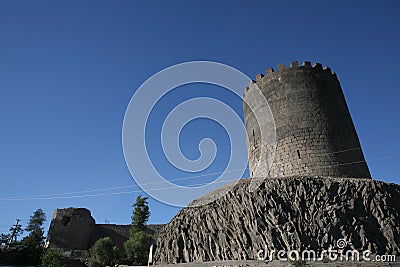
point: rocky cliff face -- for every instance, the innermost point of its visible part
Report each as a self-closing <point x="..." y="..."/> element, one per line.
<point x="74" y="232"/>
<point x="70" y="228"/>
<point x="285" y="213"/>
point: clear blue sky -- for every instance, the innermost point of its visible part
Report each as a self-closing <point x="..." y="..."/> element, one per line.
<point x="68" y="70"/>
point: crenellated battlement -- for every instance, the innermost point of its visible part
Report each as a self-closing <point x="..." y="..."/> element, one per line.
<point x="294" y="65"/>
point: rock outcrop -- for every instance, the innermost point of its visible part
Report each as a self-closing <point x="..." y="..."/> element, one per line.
<point x="75" y="229"/>
<point x="293" y="213"/>
<point x="71" y="228"/>
<point x="74" y="232"/>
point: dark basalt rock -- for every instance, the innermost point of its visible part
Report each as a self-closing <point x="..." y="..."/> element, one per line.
<point x="293" y="213"/>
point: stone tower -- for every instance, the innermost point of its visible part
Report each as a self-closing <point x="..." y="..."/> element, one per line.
<point x="315" y="134"/>
<point x="312" y="207"/>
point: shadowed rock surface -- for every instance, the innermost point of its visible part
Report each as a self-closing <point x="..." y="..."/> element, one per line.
<point x="285" y="213"/>
<point x="74" y="232"/>
<point x="71" y="228"/>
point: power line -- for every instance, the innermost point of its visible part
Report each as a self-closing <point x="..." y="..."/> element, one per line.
<point x="74" y="194"/>
<point x="111" y="193"/>
<point x="185" y="178"/>
<point x="356" y="162"/>
<point x="165" y="188"/>
<point x="122" y="187"/>
<point x="359" y="148"/>
<point x="16" y="230"/>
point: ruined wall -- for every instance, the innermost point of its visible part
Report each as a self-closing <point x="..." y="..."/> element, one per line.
<point x="75" y="229"/>
<point x="71" y="228"/>
<point x="314" y="130"/>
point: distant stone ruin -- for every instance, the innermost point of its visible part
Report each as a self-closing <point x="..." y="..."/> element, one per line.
<point x="74" y="231"/>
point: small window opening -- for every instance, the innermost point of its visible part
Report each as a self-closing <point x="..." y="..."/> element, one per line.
<point x="298" y="154"/>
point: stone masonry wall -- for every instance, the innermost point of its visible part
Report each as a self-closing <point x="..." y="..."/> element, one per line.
<point x="314" y="131"/>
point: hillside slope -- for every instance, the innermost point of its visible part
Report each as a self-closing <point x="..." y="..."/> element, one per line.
<point x="286" y="213"/>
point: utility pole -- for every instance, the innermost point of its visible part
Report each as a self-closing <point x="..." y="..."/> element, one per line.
<point x="15" y="231"/>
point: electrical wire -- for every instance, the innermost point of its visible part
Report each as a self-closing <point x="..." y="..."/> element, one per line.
<point x="359" y="148"/>
<point x="112" y="193"/>
<point x="122" y="187"/>
<point x="76" y="194"/>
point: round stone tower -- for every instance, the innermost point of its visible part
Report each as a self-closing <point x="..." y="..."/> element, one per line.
<point x="315" y="134"/>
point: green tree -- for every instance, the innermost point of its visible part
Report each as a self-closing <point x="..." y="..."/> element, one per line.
<point x="52" y="258"/>
<point x="136" y="247"/>
<point x="5" y="239"/>
<point x="103" y="253"/>
<point x="36" y="221"/>
<point x="35" y="228"/>
<point x="140" y="214"/>
<point x="34" y="242"/>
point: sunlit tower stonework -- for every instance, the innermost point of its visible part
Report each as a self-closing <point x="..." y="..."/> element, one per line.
<point x="315" y="134"/>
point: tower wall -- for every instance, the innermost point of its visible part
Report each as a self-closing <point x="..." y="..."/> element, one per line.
<point x="315" y="134"/>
